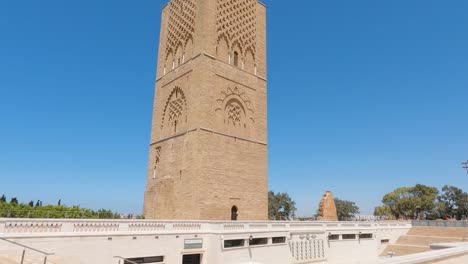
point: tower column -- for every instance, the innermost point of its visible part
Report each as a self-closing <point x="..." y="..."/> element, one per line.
<point x="208" y="149"/>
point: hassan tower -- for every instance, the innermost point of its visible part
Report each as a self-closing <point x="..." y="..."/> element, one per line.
<point x="208" y="148"/>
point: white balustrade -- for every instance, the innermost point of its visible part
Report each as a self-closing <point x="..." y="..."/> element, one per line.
<point x="71" y="227"/>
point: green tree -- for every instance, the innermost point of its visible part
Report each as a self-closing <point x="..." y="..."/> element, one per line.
<point x="3" y="199"/>
<point x="280" y="206"/>
<point x="411" y="202"/>
<point x="383" y="211"/>
<point x="31" y="210"/>
<point x="455" y="202"/>
<point x="438" y="212"/>
<point x="397" y="201"/>
<point x="345" y="209"/>
<point x="425" y="198"/>
<point x="14" y="200"/>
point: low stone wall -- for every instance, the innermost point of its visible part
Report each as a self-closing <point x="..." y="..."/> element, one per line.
<point x="69" y="227"/>
<point x="97" y="241"/>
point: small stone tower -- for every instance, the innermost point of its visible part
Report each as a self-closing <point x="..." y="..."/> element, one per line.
<point x="208" y="149"/>
<point x="327" y="208"/>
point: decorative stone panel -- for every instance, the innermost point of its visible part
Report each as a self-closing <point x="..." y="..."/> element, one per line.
<point x="175" y="110"/>
<point x="95" y="227"/>
<point x="181" y="26"/>
<point x="236" y="21"/>
<point x="187" y="226"/>
<point x="33" y="227"/>
<point x="306" y="249"/>
<point x="236" y="106"/>
<point x="145" y="226"/>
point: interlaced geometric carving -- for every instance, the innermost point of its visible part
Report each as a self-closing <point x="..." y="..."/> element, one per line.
<point x="236" y="106"/>
<point x="236" y="20"/>
<point x="175" y="108"/>
<point x="157" y="156"/>
<point x="234" y="113"/>
<point x="181" y="26"/>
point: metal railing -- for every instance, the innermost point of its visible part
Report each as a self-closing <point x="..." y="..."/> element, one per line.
<point x="30" y="248"/>
<point x="440" y="223"/>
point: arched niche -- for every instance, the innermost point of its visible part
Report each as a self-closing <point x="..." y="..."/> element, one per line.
<point x="236" y="58"/>
<point x="249" y="61"/>
<point x="222" y="49"/>
<point x="179" y="55"/>
<point x="188" y="51"/>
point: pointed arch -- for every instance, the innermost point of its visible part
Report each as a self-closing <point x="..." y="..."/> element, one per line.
<point x="249" y="61"/>
<point x="236" y="58"/>
<point x="222" y="49"/>
<point x="188" y="50"/>
<point x="235" y="113"/>
<point x="178" y="55"/>
<point x="235" y="108"/>
<point x="169" y="64"/>
<point x="175" y="111"/>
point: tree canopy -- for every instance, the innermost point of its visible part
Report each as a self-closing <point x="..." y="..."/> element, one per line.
<point x="280" y="206"/>
<point x="453" y="202"/>
<point x="345" y="210"/>
<point x="383" y="211"/>
<point x="424" y="202"/>
<point x="37" y="210"/>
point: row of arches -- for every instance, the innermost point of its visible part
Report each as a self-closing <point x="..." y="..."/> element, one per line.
<point x="178" y="56"/>
<point x="235" y="55"/>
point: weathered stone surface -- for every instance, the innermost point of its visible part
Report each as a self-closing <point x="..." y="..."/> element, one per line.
<point x="327" y="208"/>
<point x="208" y="149"/>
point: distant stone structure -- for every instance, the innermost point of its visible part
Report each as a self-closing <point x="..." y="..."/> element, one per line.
<point x="327" y="208"/>
<point x="208" y="149"/>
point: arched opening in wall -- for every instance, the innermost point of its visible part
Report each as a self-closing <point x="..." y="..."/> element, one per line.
<point x="236" y="55"/>
<point x="222" y="50"/>
<point x="234" y="213"/>
<point x="236" y="59"/>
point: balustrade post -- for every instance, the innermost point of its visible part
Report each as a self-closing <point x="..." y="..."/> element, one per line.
<point x="45" y="260"/>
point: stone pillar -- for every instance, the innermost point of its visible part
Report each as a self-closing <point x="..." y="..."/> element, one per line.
<point x="327" y="208"/>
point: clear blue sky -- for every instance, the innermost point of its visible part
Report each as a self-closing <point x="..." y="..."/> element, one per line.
<point x="364" y="97"/>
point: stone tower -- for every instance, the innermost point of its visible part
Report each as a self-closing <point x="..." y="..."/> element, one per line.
<point x="327" y="208"/>
<point x="208" y="149"/>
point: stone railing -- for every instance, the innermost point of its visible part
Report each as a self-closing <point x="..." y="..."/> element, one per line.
<point x="73" y="227"/>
